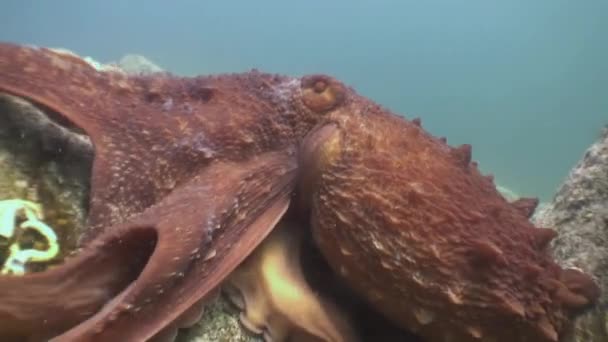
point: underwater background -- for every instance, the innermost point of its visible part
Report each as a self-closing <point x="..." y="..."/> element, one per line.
<point x="525" y="82"/>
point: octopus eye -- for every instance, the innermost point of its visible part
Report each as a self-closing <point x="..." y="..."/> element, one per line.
<point x="320" y="86"/>
<point x="321" y="93"/>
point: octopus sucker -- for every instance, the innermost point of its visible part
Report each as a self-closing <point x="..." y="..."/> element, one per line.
<point x="275" y="298"/>
<point x="186" y="320"/>
<point x="547" y="330"/>
<point x="191" y="316"/>
<point x="543" y="236"/>
<point x="475" y="332"/>
<point x="190" y="175"/>
<point x="168" y="334"/>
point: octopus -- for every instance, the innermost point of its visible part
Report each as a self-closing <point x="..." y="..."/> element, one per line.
<point x="190" y="175"/>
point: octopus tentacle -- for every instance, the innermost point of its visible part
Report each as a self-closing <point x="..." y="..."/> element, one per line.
<point x="40" y="305"/>
<point x="112" y="266"/>
<point x="44" y="76"/>
<point x="275" y="298"/>
<point x="80" y="98"/>
<point x="227" y="200"/>
<point x="178" y="180"/>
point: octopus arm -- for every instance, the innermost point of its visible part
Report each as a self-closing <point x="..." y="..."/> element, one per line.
<point x="275" y="298"/>
<point x="119" y="114"/>
<point x="58" y="81"/>
<point x="37" y="306"/>
<point x="142" y="277"/>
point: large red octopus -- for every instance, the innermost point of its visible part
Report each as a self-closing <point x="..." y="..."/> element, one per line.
<point x="191" y="174"/>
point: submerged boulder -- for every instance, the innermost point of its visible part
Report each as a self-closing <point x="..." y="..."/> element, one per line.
<point x="579" y="213"/>
<point x="137" y="64"/>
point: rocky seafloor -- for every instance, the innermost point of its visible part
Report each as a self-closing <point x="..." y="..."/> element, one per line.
<point x="579" y="213"/>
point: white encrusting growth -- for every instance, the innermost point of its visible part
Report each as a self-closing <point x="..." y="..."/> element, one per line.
<point x="11" y="211"/>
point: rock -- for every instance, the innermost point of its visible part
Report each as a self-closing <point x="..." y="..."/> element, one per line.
<point x="507" y="193"/>
<point x="130" y="63"/>
<point x="579" y="213"/>
<point x="47" y="164"/>
<point x="90" y="60"/>
<point x="220" y="322"/>
<point x="137" y="64"/>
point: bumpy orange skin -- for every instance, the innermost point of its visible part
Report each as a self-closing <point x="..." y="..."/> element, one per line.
<point x="414" y="227"/>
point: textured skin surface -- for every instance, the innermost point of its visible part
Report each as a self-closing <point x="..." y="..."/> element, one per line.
<point x="190" y="174"/>
<point x="428" y="239"/>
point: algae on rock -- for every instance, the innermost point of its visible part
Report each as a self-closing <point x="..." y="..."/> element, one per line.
<point x="44" y="163"/>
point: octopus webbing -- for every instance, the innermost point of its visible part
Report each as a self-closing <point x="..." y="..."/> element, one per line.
<point x="190" y="175"/>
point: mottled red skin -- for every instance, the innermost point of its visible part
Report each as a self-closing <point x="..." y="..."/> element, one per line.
<point x="429" y="240"/>
<point x="188" y="167"/>
<point x="184" y="168"/>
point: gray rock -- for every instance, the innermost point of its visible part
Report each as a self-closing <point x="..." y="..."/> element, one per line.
<point x="130" y="63"/>
<point x="507" y="193"/>
<point x="137" y="64"/>
<point x="579" y="213"/>
<point x="220" y="322"/>
<point x="45" y="163"/>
